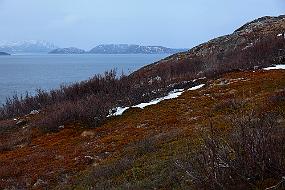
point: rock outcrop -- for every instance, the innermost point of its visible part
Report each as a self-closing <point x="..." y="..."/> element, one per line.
<point x="256" y="44"/>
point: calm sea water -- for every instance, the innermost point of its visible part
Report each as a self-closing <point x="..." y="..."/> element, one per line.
<point x="26" y="73"/>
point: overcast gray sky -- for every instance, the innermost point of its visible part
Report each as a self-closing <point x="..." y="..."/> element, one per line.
<point x="86" y="23"/>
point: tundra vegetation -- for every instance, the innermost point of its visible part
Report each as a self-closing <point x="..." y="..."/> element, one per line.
<point x="227" y="135"/>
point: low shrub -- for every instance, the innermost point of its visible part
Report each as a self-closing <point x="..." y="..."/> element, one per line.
<point x="245" y="157"/>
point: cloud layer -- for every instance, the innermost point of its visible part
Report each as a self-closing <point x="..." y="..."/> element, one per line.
<point x="85" y="23"/>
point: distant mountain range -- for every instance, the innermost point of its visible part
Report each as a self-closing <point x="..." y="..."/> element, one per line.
<point x="31" y="46"/>
<point x="119" y="49"/>
<point x="34" y="46"/>
<point x="132" y="49"/>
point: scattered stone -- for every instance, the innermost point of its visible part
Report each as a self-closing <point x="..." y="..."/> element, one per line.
<point x="256" y="67"/>
<point x="143" y="125"/>
<point x="223" y="82"/>
<point x="34" y="112"/>
<point x="59" y="157"/>
<point x="25" y="127"/>
<point x="40" y="183"/>
<point x="61" y="127"/>
<point x="233" y="91"/>
<point x="87" y="134"/>
<point x="21" y="145"/>
<point x="89" y="157"/>
<point x="95" y="164"/>
<point x="21" y="122"/>
<point x="84" y="160"/>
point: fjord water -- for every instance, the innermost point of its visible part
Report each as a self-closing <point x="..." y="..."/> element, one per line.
<point x="27" y="73"/>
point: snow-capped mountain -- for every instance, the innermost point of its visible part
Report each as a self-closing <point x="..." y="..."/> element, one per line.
<point x="71" y="50"/>
<point x="132" y="49"/>
<point x="31" y="46"/>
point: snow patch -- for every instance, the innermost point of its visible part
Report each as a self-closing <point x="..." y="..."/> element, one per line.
<point x="275" y="67"/>
<point x="281" y="35"/>
<point x="172" y="95"/>
<point x="120" y="110"/>
<point x="143" y="105"/>
<point x="196" y="87"/>
<point x="202" y="78"/>
<point x="117" y="111"/>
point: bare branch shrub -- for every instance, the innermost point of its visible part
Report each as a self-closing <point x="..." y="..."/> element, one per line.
<point x="243" y="157"/>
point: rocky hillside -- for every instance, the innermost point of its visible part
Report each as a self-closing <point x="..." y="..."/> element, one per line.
<point x="231" y="128"/>
<point x="132" y="49"/>
<point x="256" y="44"/>
<point x="209" y="118"/>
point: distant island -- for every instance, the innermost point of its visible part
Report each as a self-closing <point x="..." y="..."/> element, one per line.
<point x="30" y="46"/>
<point x="119" y="49"/>
<point x="34" y="46"/>
<point x="132" y="49"/>
<point x="4" y="53"/>
<point x="71" y="50"/>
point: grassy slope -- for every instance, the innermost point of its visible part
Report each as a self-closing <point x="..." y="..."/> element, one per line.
<point x="136" y="148"/>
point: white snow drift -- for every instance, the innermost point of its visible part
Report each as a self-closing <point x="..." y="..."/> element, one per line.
<point x="172" y="95"/>
<point x="275" y="67"/>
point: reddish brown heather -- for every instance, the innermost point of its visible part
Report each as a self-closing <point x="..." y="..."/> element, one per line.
<point x="30" y="158"/>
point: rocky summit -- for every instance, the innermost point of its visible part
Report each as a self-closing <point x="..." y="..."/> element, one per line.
<point x="255" y="44"/>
